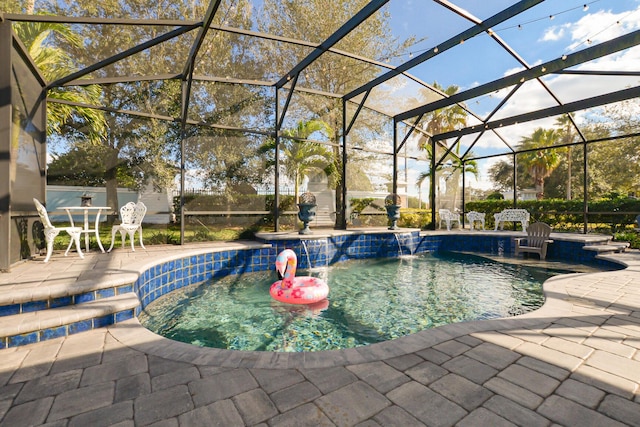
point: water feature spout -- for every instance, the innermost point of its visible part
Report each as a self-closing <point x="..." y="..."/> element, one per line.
<point x="409" y="243"/>
<point x="326" y="252"/>
<point x="308" y="247"/>
<point x="399" y="246"/>
<point x="306" y="251"/>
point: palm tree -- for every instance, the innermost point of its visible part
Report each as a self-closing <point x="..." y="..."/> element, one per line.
<point x="440" y="121"/>
<point x="301" y="157"/>
<point x="456" y="165"/>
<point x="540" y="163"/>
<point x="444" y="119"/>
<point x="566" y="133"/>
<point x="55" y="63"/>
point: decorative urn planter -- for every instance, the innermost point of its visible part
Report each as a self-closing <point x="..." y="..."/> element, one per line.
<point x="392" y="203"/>
<point x="85" y="199"/>
<point x="307" y="211"/>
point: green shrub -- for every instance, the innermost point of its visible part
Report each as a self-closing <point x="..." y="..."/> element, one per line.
<point x="605" y="215"/>
<point x="628" y="236"/>
<point x="414" y="218"/>
<point x="358" y="205"/>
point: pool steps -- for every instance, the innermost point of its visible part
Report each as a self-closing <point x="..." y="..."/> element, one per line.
<point x="66" y="320"/>
<point x="32" y="314"/>
<point x="607" y="248"/>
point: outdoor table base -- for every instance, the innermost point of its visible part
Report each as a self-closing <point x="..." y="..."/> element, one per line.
<point x="86" y="230"/>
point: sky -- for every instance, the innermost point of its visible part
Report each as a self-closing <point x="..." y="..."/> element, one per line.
<point x="541" y="34"/>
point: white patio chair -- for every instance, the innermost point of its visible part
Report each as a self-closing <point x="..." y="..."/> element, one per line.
<point x="448" y="218"/>
<point x="50" y="232"/>
<point x="131" y="216"/>
<point x="474" y="216"/>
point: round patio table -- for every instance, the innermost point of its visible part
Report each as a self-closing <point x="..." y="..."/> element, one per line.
<point x="86" y="229"/>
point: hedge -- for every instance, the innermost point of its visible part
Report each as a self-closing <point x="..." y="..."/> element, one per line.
<point x="618" y="212"/>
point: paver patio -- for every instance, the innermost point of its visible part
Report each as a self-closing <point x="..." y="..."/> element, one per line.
<point x="575" y="361"/>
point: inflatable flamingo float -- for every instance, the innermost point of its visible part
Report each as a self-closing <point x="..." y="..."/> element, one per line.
<point x="292" y="289"/>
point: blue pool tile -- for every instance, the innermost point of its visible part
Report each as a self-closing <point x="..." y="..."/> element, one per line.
<point x="23" y="339"/>
<point x="86" y="297"/>
<point x="61" y="302"/>
<point x="8" y="310"/>
<point x="28" y="307"/>
<point x="52" y="333"/>
<point x="81" y="326"/>
<point x="3" y="343"/>
<point x="124" y="315"/>
<point x="124" y="289"/>
<point x="105" y="293"/>
<point x="101" y="322"/>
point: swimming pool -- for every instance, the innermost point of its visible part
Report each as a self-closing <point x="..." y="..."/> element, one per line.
<point x="370" y="300"/>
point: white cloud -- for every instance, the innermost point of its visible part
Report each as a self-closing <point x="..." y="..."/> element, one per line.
<point x="553" y="34"/>
<point x="602" y="26"/>
<point x="532" y="96"/>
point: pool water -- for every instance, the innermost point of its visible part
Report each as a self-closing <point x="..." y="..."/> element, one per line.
<point x="369" y="301"/>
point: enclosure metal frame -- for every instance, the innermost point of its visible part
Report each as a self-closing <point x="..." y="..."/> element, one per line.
<point x="288" y="82"/>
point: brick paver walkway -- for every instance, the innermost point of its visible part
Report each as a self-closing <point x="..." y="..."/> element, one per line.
<point x="575" y="362"/>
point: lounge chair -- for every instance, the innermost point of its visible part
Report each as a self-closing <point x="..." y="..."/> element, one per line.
<point x="536" y="241"/>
